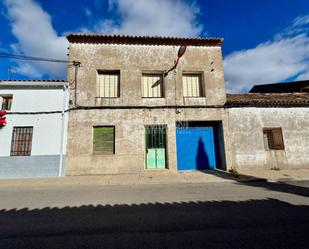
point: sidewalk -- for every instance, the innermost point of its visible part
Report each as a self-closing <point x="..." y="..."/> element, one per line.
<point x="164" y="177"/>
<point x="278" y="175"/>
<point x="146" y="177"/>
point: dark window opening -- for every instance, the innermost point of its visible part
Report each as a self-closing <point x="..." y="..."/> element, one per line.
<point x="6" y="103"/>
<point x="273" y="139"/>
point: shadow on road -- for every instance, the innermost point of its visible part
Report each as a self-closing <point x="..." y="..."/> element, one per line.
<point x="247" y="180"/>
<point x="248" y="224"/>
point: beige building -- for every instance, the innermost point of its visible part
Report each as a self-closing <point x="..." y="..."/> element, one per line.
<point x="155" y="103"/>
<point x="129" y="115"/>
<point x="269" y="130"/>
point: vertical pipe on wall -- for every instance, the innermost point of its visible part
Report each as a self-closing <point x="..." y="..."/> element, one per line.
<point x="63" y="129"/>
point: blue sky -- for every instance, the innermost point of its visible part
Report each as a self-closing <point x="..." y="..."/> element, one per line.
<point x="265" y="40"/>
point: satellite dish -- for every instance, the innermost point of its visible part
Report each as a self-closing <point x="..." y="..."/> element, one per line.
<point x="181" y="51"/>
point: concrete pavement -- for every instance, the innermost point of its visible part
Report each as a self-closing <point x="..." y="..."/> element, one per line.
<point x="145" y="177"/>
<point x="278" y="175"/>
<point x="163" y="177"/>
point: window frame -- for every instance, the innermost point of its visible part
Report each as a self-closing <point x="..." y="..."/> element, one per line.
<point x="269" y="130"/>
<point x="98" y="153"/>
<point x="18" y="152"/>
<point x="153" y="73"/>
<point x="5" y="98"/>
<point x="200" y="75"/>
<point x="107" y="72"/>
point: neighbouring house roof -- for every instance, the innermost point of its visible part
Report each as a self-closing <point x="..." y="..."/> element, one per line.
<point x="267" y="100"/>
<point x="32" y="83"/>
<point x="288" y="87"/>
<point x="143" y="40"/>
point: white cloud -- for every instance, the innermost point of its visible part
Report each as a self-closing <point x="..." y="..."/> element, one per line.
<point x="152" y="17"/>
<point x="284" y="57"/>
<point x="27" y="70"/>
<point x="32" y="27"/>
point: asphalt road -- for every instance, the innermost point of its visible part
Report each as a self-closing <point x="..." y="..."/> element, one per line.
<point x="221" y="215"/>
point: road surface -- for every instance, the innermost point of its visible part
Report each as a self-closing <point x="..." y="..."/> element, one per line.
<point x="214" y="215"/>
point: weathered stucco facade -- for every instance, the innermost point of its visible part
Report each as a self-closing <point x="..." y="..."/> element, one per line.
<point x="249" y="130"/>
<point x="246" y="134"/>
<point x="129" y="113"/>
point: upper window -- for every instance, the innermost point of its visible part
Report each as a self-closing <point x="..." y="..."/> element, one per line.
<point x="108" y="84"/>
<point x="6" y="102"/>
<point x="192" y="85"/>
<point x="21" y="141"/>
<point x="273" y="139"/>
<point x="104" y="140"/>
<point x="152" y="85"/>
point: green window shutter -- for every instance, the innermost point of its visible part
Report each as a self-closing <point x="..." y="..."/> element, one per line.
<point x="104" y="140"/>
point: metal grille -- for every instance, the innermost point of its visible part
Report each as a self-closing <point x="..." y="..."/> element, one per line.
<point x="108" y="83"/>
<point x="21" y="141"/>
<point x="152" y="85"/>
<point x="192" y="86"/>
<point x="155" y="136"/>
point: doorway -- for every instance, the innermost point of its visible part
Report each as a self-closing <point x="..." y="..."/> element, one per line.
<point x="200" y="145"/>
<point x="155" y="139"/>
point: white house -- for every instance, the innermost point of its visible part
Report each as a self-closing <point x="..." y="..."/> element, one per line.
<point x="33" y="136"/>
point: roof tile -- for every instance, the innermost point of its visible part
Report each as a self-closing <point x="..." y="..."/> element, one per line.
<point x="143" y="40"/>
<point x="267" y="99"/>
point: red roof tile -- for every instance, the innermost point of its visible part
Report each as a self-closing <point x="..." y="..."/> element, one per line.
<point x="268" y="99"/>
<point x="143" y="40"/>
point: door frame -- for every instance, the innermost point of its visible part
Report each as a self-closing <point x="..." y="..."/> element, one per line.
<point x="218" y="133"/>
<point x="166" y="146"/>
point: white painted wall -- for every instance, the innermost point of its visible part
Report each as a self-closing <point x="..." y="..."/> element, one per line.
<point x="246" y="131"/>
<point x="46" y="127"/>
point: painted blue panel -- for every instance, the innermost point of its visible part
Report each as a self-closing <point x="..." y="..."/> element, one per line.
<point x="30" y="166"/>
<point x="195" y="148"/>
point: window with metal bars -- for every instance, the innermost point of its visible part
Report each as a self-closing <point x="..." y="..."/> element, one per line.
<point x="21" y="141"/>
<point x="192" y="85"/>
<point x="273" y="139"/>
<point x="152" y="85"/>
<point x="108" y="84"/>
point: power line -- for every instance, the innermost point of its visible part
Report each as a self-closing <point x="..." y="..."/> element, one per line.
<point x="32" y="58"/>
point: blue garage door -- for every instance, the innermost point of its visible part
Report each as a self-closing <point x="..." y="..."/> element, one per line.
<point x="195" y="148"/>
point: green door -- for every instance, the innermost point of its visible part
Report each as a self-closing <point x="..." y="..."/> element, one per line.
<point x="151" y="159"/>
<point x="155" y="147"/>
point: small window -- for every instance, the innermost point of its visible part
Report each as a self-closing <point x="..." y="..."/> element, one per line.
<point x="108" y="84"/>
<point x="192" y="85"/>
<point x="273" y="139"/>
<point x="6" y="102"/>
<point x="104" y="140"/>
<point x="21" y="141"/>
<point x="152" y="85"/>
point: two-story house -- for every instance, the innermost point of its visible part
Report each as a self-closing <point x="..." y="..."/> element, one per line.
<point x="131" y="113"/>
